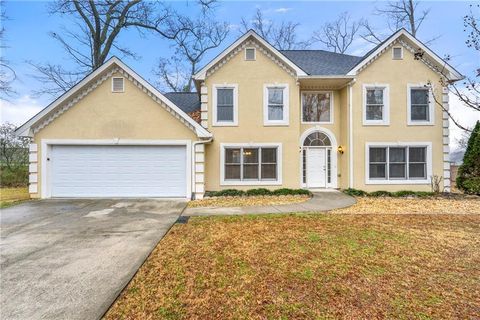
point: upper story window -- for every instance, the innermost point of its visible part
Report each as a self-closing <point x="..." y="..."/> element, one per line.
<point x="225" y="109"/>
<point x="317" y="107"/>
<point x="375" y="105"/>
<point x="397" y="53"/>
<point x="420" y="105"/>
<point x="118" y="84"/>
<point x="250" y="54"/>
<point x="275" y="109"/>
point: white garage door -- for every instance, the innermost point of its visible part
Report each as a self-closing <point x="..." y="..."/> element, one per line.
<point x="118" y="171"/>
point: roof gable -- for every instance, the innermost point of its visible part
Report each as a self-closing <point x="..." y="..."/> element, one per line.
<point x="407" y="40"/>
<point x="93" y="80"/>
<point x="239" y="45"/>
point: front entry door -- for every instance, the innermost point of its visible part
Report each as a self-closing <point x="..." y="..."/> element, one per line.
<point x="316" y="165"/>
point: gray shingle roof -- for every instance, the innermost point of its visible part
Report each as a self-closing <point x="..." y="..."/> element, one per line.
<point x="320" y="62"/>
<point x="187" y="101"/>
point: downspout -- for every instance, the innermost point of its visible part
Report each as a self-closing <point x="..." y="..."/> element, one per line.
<point x="194" y="144"/>
<point x="350" y="134"/>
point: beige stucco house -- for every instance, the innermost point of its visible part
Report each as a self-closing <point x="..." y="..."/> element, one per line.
<point x="261" y="118"/>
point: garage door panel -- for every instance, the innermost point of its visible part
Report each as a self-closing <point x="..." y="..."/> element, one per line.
<point x="118" y="171"/>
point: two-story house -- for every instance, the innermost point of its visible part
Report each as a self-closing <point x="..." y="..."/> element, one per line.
<point x="265" y="118"/>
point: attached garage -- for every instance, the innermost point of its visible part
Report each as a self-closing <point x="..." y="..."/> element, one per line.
<point x="118" y="170"/>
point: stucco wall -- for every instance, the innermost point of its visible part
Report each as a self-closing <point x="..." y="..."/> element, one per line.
<point x="396" y="73"/>
<point x="250" y="76"/>
<point x="105" y="115"/>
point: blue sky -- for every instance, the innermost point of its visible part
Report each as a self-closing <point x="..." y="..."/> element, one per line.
<point x="29" y="24"/>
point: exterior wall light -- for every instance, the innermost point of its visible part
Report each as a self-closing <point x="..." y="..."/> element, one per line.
<point x="340" y="150"/>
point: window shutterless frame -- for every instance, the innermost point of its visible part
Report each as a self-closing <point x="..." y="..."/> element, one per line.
<point x="386" y="104"/>
<point x="385" y="181"/>
<point x="116" y="82"/>
<point x="217" y="123"/>
<point x="250" y="50"/>
<point x="250" y="182"/>
<point x="331" y="107"/>
<point x="396" y="50"/>
<point x="286" y="109"/>
<point x="431" y="105"/>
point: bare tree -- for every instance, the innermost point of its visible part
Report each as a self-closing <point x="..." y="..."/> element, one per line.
<point x="98" y="26"/>
<point x="337" y="35"/>
<point x="399" y="14"/>
<point x="282" y="36"/>
<point x="467" y="91"/>
<point x="7" y="74"/>
<point x="202" y="35"/>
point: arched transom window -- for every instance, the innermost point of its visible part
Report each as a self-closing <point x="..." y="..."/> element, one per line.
<point x="317" y="139"/>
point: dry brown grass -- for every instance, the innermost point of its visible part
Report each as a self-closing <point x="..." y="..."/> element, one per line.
<point x="11" y="196"/>
<point x="248" y="201"/>
<point x="311" y="267"/>
<point x="367" y="205"/>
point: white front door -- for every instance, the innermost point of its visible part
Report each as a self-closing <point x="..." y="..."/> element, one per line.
<point x="316" y="168"/>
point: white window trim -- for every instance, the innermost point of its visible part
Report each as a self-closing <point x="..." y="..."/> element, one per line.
<point x="429" y="162"/>
<point x="431" y="106"/>
<point x="286" y="108"/>
<point x="123" y="84"/>
<point x="254" y="54"/>
<point x="386" y="104"/>
<point x="233" y="123"/>
<point x="331" y="108"/>
<point x="224" y="182"/>
<point x="393" y="54"/>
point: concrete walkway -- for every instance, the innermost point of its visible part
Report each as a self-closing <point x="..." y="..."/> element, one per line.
<point x="321" y="201"/>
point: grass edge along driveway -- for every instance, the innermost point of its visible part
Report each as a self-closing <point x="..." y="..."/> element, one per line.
<point x="310" y="266"/>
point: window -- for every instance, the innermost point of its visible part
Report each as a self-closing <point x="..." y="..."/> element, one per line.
<point x="117" y="85"/>
<point x="398" y="164"/>
<point x="317" y="107"/>
<point x="397" y="53"/>
<point x="225" y="105"/>
<point x="420" y="110"/>
<point x="276" y="105"/>
<point x="376" y="105"/>
<point x="251" y="165"/>
<point x="250" y="54"/>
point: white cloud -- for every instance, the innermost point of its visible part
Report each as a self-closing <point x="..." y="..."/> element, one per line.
<point x="463" y="115"/>
<point x="19" y="111"/>
<point x="282" y="10"/>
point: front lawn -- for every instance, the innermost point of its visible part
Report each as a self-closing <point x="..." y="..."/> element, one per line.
<point x="315" y="266"/>
<point x="12" y="196"/>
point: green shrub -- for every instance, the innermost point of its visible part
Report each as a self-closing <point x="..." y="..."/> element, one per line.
<point x="256" y="192"/>
<point x="259" y="192"/>
<point x="355" y="192"/>
<point x="287" y="192"/>
<point x="424" y="194"/>
<point x="226" y="193"/>
<point x="472" y="185"/>
<point x="15" y="177"/>
<point x="404" y="193"/>
<point x="468" y="178"/>
<point x="380" y="193"/>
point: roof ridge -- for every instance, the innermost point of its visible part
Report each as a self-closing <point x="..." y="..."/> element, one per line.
<point x="321" y="50"/>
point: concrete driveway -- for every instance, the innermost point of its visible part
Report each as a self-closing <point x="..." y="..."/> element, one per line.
<point x="69" y="259"/>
